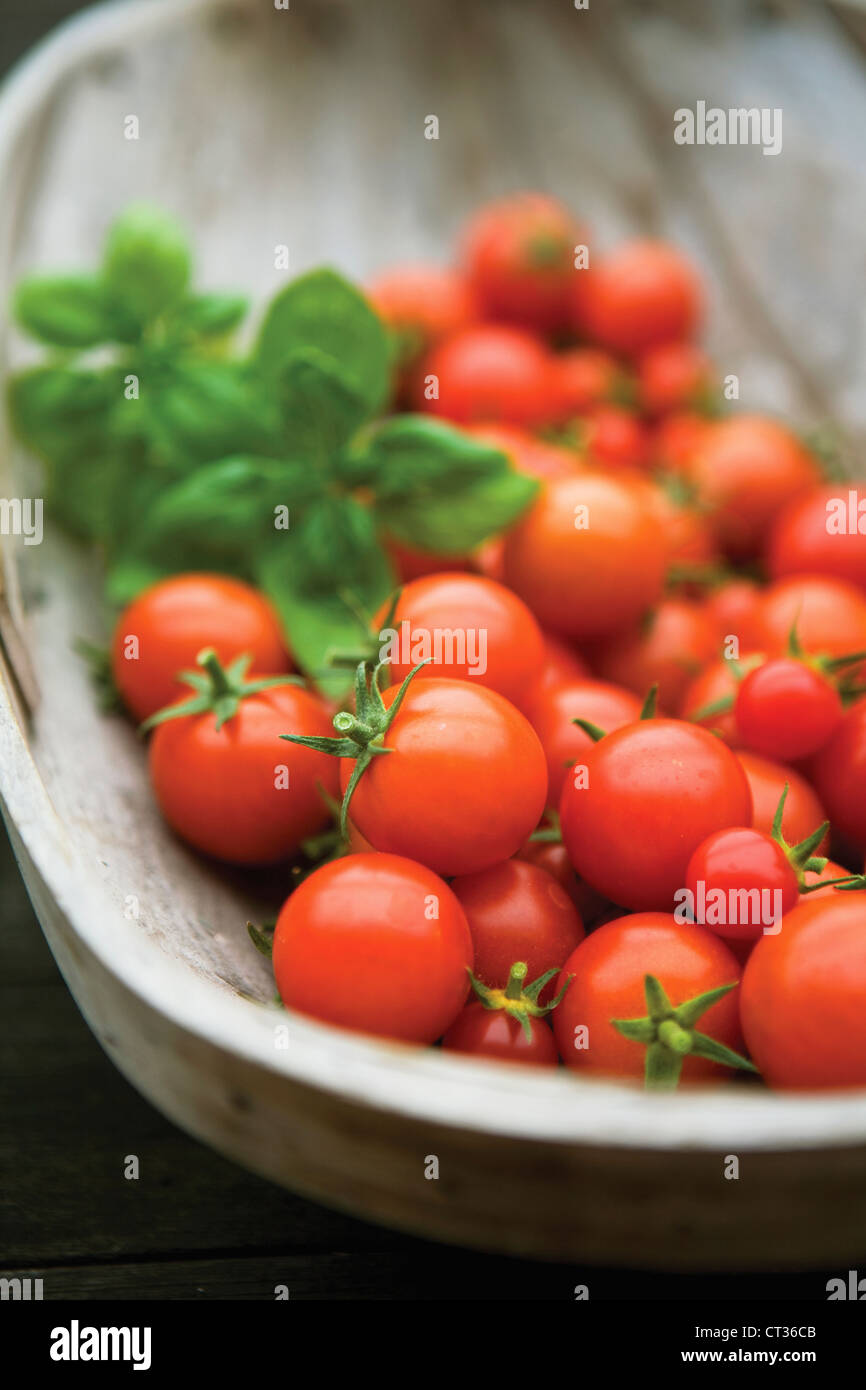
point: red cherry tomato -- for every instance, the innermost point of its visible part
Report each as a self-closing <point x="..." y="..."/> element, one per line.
<point x="650" y="793"/>
<point x="740" y="883"/>
<point x="746" y="469"/>
<point x="733" y="607"/>
<point x="552" y="715"/>
<point x="786" y="709"/>
<point x="830" y="616"/>
<point x="517" y="911"/>
<point x="465" y="784"/>
<point x="674" y="377"/>
<point x="163" y="630"/>
<point x="609" y="969"/>
<point x="535" y="457"/>
<point x="485" y="1032"/>
<point x="642" y="294"/>
<point x="669" y="648"/>
<point x="491" y="372"/>
<point x="677" y="439"/>
<point x="588" y="557"/>
<point x="550" y="855"/>
<point x="239" y="792"/>
<point x="803" y="811"/>
<point x="822" y="532"/>
<point x="472" y="628"/>
<point x="802" y="997"/>
<point x="415" y="564"/>
<point x="560" y="664"/>
<point x="689" y="539"/>
<point x="421" y="304"/>
<point x="376" y="943"/>
<point x="839" y="773"/>
<point x="519" y="258"/>
<point x="584" y="378"/>
<point x="716" y="683"/>
<point x="614" y="438"/>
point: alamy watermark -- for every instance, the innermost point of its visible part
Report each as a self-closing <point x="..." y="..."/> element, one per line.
<point x="736" y="125"/>
<point x="22" y="516"/>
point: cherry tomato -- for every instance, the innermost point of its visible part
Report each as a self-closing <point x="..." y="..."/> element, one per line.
<point x="677" y="439"/>
<point x="821" y="532"/>
<point x="375" y="943"/>
<point x="585" y="377"/>
<point x="803" y="811"/>
<point x="745" y="470"/>
<point x="551" y="856"/>
<point x="560" y="664"/>
<point x="552" y="714"/>
<point x="474" y="630"/>
<point x="493" y="1033"/>
<point x="535" y="457"/>
<point x="839" y="773"/>
<point x="812" y="876"/>
<point x="733" y="606"/>
<point x="689" y="538"/>
<point x="517" y="911"/>
<point x="740" y="881"/>
<point x="163" y="630"/>
<point x="614" y="438"/>
<point x="669" y="648"/>
<point x="674" y="377"/>
<point x="519" y="258"/>
<point x="411" y="563"/>
<point x="464" y="786"/>
<point x="239" y="792"/>
<point x="642" y="294"/>
<point x="716" y="683"/>
<point x="608" y="970"/>
<point x="491" y="372"/>
<point x="649" y="793"/>
<point x="802" y="997"/>
<point x="421" y="304"/>
<point x="830" y="616"/>
<point x="588" y="557"/>
<point x="786" y="709"/>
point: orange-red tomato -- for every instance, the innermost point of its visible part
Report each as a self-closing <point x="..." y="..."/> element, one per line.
<point x="614" y="438"/>
<point x="483" y="1032"/>
<point x="718" y="681"/>
<point x="677" y="439"/>
<point x="588" y="557"/>
<point x="359" y="945"/>
<point x="801" y="999"/>
<point x="472" y="629"/>
<point x="560" y="663"/>
<point x="745" y="470"/>
<point x="585" y="377"/>
<point x="839" y="773"/>
<point x="464" y="784"/>
<point x="668" y="648"/>
<point x="517" y="911"/>
<point x="803" y="811"/>
<point x="822" y="532"/>
<point x="552" y="714"/>
<point x="733" y="607"/>
<point x="519" y="258"/>
<point x="491" y="372"/>
<point x="830" y="616"/>
<point x="674" y="377"/>
<point x="241" y="793"/>
<point x="163" y="630"/>
<point x="414" y="564"/>
<point x="609" y="969"/>
<point x="642" y="294"/>
<point x="421" y="304"/>
<point x="528" y="454"/>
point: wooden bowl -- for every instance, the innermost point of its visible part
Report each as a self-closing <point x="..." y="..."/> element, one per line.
<point x="305" y="127"/>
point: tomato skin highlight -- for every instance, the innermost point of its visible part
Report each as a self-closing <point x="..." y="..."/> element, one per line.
<point x="517" y="911"/>
<point x="356" y="945"/>
<point x="174" y="620"/>
<point x="494" y="1033"/>
<point x="564" y="742"/>
<point x="589" y="581"/>
<point x="802" y="997"/>
<point x="640" y="295"/>
<point x="217" y="788"/>
<point x="786" y="710"/>
<point x="743" y="860"/>
<point x="465" y="784"/>
<point x="513" y="648"/>
<point x="609" y="969"/>
<point x="488" y="373"/>
<point x="654" y="790"/>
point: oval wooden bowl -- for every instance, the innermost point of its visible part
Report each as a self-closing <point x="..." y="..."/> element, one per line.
<point x="259" y="128"/>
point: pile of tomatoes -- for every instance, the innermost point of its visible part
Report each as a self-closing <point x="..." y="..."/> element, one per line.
<point x="649" y="693"/>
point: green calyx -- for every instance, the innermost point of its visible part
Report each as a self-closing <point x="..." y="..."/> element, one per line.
<point x="801" y="856"/>
<point x="648" y="711"/>
<point x="360" y="735"/>
<point x="219" y="690"/>
<point x="517" y="998"/>
<point x="669" y="1035"/>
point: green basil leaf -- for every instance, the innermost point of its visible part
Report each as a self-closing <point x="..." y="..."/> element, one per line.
<point x="322" y="310"/>
<point x="55" y="409"/>
<point x="200" y="411"/>
<point x="210" y="315"/>
<point x="320" y="408"/>
<point x="147" y="262"/>
<point x="66" y="311"/>
<point x="437" y="488"/>
<point x="326" y="577"/>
